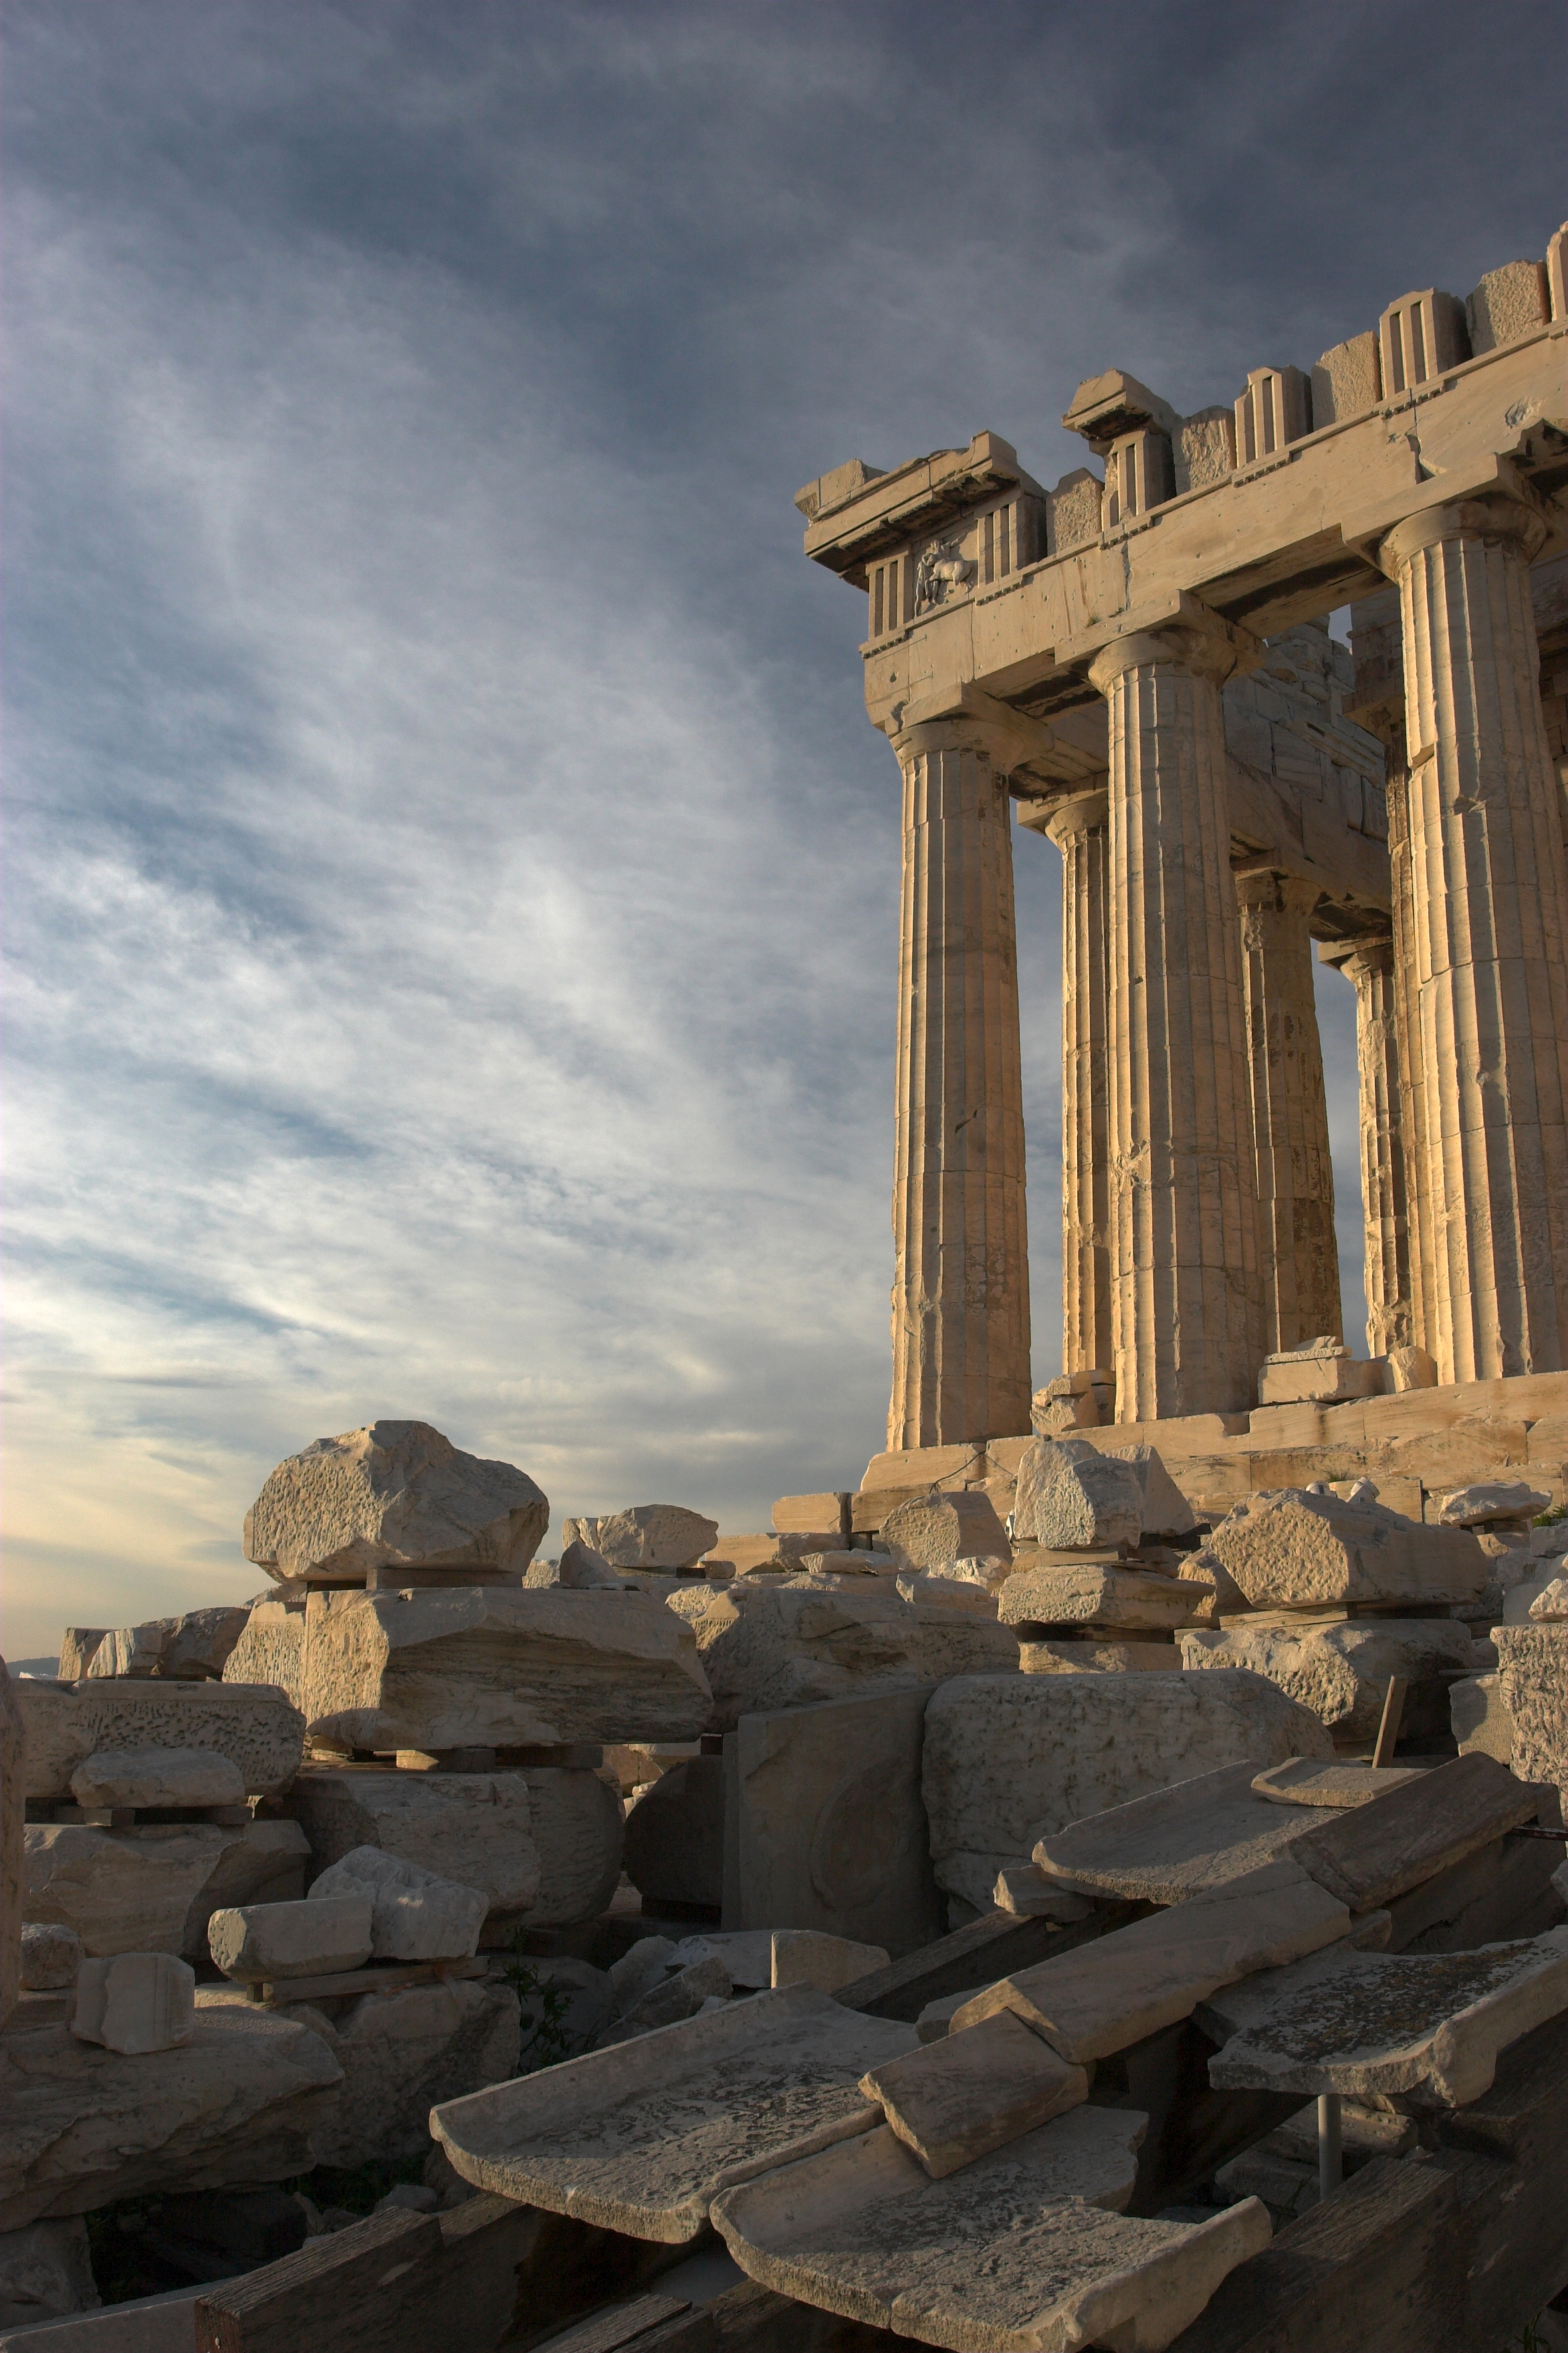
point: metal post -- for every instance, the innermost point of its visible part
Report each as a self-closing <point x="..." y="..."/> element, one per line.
<point x="1331" y="2157"/>
<point x="1388" y="1730"/>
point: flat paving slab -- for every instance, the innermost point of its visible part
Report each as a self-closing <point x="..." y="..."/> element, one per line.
<point x="956" y="2100"/>
<point x="642" y="2136"/>
<point x="1176" y="1841"/>
<point x="1427" y="2027"/>
<point x="1024" y="2251"/>
<point x="1309" y="1781"/>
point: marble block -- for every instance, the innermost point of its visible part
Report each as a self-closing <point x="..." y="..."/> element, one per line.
<point x="156" y="1886"/>
<point x="253" y="1724"/>
<point x="1479" y="1719"/>
<point x="808" y="1957"/>
<point x="642" y="2137"/>
<point x="46" y="2273"/>
<point x="499" y="1666"/>
<point x="957" y="2100"/>
<point x="1165" y="1511"/>
<point x="1008" y="1758"/>
<point x="1071" y="1494"/>
<point x="399" y="2054"/>
<point x="395" y="1493"/>
<point x="1341" y="1672"/>
<point x="1308" y="1781"/>
<point x="1023" y="2252"/>
<point x="272" y="1649"/>
<point x="1104" y="1997"/>
<point x="1063" y="1593"/>
<point x="1421" y="2027"/>
<point x="254" y="1942"/>
<point x="931" y="1531"/>
<point x="415" y="1914"/>
<point x="1288" y="1549"/>
<point x="645" y="1536"/>
<point x="1491" y="1499"/>
<point x="1370" y="1854"/>
<point x="1174" y="1842"/>
<point x="196" y="1646"/>
<point x="135" y="2002"/>
<point x="157" y="1776"/>
<point x="52" y="1955"/>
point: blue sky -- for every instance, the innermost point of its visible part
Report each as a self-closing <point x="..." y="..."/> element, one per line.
<point x="452" y="887"/>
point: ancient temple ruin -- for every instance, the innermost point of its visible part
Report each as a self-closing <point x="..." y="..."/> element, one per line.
<point x="1125" y="660"/>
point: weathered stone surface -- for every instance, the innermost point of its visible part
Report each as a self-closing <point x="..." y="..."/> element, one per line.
<point x="271" y="1649"/>
<point x="1550" y="1606"/>
<point x="1308" y="1781"/>
<point x="579" y="1833"/>
<point x="155" y="1887"/>
<point x="475" y="1826"/>
<point x="253" y="1725"/>
<point x="1323" y="1374"/>
<point x="1533" y="1684"/>
<point x="958" y="2100"/>
<point x="675" y="1835"/>
<point x="415" y="1914"/>
<point x="1491" y="1499"/>
<point x="400" y="2053"/>
<point x="677" y="1994"/>
<point x="1069" y="1495"/>
<point x="1374" y="1852"/>
<point x="1016" y="2253"/>
<point x="929" y="1531"/>
<point x="310" y="1938"/>
<point x="1176" y="1843"/>
<point x="192" y="1648"/>
<point x="1341" y="1672"/>
<point x="1009" y="1757"/>
<point x="77" y="1644"/>
<point x="12" y="1797"/>
<point x="157" y="1776"/>
<point x="1287" y="1549"/>
<point x="1479" y="1720"/>
<point x="499" y="1666"/>
<point x="810" y="1957"/>
<point x="645" y="1536"/>
<point x="1105" y="1996"/>
<point x="395" y="1493"/>
<point x="640" y="1968"/>
<point x="1225" y="1598"/>
<point x="643" y="2137"/>
<point x="1424" y="2027"/>
<point x="1101" y="1656"/>
<point x="1025" y="1891"/>
<point x="135" y="2002"/>
<point x="580" y="1568"/>
<point x="771" y="1647"/>
<point x="959" y="1587"/>
<point x="51" y="1954"/>
<point x="86" y="2127"/>
<point x="1165" y="1511"/>
<point x="825" y="1825"/>
<point x="46" y="2271"/>
<point x="1063" y="1593"/>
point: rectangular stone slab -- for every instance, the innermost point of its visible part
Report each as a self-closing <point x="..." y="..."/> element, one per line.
<point x="958" y="2099"/>
<point x="1021" y="2252"/>
<point x="1063" y="1593"/>
<point x="1309" y="1781"/>
<point x="1165" y="1847"/>
<point x="1369" y="1855"/>
<point x="1153" y="1973"/>
<point x="1427" y="2027"/>
<point x="642" y="2136"/>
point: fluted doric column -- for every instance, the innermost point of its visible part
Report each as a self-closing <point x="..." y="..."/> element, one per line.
<point x="1186" y="1304"/>
<point x="1488" y="933"/>
<point x="1079" y="827"/>
<point x="960" y="1286"/>
<point x="1369" y="963"/>
<point x="1300" y="1250"/>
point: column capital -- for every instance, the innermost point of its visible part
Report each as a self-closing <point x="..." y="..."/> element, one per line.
<point x="1067" y="819"/>
<point x="1272" y="886"/>
<point x="967" y="719"/>
<point x="1199" y="642"/>
<point x="1504" y="517"/>
<point x="1359" y="960"/>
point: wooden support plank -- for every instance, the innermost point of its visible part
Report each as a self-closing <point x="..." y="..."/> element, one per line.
<point x="1388" y="1730"/>
<point x="606" y="2331"/>
<point x="1368" y="1854"/>
<point x="976" y="1954"/>
<point x="752" y="2319"/>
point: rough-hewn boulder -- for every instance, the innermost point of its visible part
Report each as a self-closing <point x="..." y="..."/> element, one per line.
<point x="645" y="1536"/>
<point x="1287" y="1549"/>
<point x="1341" y="1673"/>
<point x="396" y="1493"/>
<point x="934" y="1531"/>
<point x="1071" y="1495"/>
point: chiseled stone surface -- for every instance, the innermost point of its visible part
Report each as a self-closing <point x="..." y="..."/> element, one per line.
<point x="272" y="1649"/>
<point x="641" y="2137"/>
<point x="499" y="1666"/>
<point x="400" y="2053"/>
<point x="1062" y="1593"/>
<point x="395" y="1493"/>
<point x="1023" y="2252"/>
<point x="477" y="1828"/>
<point x="135" y="2002"/>
<point x="1341" y="1672"/>
<point x="1491" y="1499"/>
<point x="157" y="1776"/>
<point x="643" y="1535"/>
<point x="86" y="2127"/>
<point x="312" y="1938"/>
<point x="192" y="1646"/>
<point x="1550" y="1606"/>
<point x="415" y="1914"/>
<point x="251" y="1724"/>
<point x="1532" y="1686"/>
<point x="154" y="1888"/>
<point x="1288" y="1549"/>
<point x="1105" y="1996"/>
<point x="1010" y="1758"/>
<point x="1174" y="1842"/>
<point x="51" y="1954"/>
<point x="935" y="1530"/>
<point x="771" y="1647"/>
<point x="1427" y="2027"/>
<point x="957" y="2100"/>
<point x="1071" y="1494"/>
<point x="1077" y="826"/>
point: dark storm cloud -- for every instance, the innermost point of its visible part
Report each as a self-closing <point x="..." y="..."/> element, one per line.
<point x="453" y="886"/>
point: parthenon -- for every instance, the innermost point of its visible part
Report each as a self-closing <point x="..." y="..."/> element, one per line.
<point x="1140" y="663"/>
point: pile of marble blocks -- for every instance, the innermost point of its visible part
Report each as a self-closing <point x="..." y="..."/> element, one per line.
<point x="190" y="1647"/>
<point x="1329" y="1595"/>
<point x="1101" y="1579"/>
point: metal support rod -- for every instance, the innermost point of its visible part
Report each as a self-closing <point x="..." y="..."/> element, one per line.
<point x="1331" y="2155"/>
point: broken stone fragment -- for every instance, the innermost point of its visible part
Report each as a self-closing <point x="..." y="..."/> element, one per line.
<point x="931" y="1531"/>
<point x="1550" y="1606"/>
<point x="1165" y="1511"/>
<point x="1308" y="1781"/>
<point x="319" y="1938"/>
<point x="271" y="1649"/>
<point x="1205" y="1832"/>
<point x="806" y="1957"/>
<point x="1479" y="1719"/>
<point x="157" y="1776"/>
<point x="645" y="1536"/>
<point x="674" y="1836"/>
<point x="1492" y="1499"/>
<point x="957" y="2100"/>
<point x="1063" y="1593"/>
<point x="255" y="1726"/>
<point x="46" y="2273"/>
<point x="395" y="1493"/>
<point x="1071" y="1496"/>
<point x="417" y="1916"/>
<point x="580" y="1568"/>
<point x="190" y="1647"/>
<point x="1341" y="1672"/>
<point x="500" y="1666"/>
<point x="641" y="1967"/>
<point x="52" y="1955"/>
<point x="1290" y="1549"/>
<point x="399" y="2052"/>
<point x="135" y="2002"/>
<point x="154" y="1886"/>
<point x="675" y="1994"/>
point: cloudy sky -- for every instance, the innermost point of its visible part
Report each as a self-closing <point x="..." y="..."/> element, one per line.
<point x="452" y="887"/>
